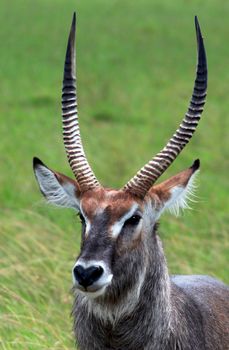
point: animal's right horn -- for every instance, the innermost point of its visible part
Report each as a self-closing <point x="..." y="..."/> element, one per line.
<point x="148" y="175"/>
<point x="71" y="132"/>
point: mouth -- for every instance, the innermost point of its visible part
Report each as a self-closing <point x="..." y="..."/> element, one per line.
<point x="91" y="291"/>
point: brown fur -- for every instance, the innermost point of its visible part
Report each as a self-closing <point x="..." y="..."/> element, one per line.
<point x="116" y="201"/>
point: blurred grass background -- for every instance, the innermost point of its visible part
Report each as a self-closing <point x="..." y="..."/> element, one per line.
<point x="136" y="64"/>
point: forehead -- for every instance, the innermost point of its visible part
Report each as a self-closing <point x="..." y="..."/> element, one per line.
<point x="112" y="202"/>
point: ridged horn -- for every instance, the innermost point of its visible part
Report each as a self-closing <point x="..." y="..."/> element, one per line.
<point x="149" y="174"/>
<point x="71" y="132"/>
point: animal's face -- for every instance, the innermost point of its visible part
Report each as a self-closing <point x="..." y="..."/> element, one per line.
<point x="117" y="227"/>
<point x="113" y="228"/>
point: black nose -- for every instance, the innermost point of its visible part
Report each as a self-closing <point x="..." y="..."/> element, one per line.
<point x="88" y="276"/>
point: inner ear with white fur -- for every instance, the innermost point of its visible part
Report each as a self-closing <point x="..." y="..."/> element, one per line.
<point x="57" y="188"/>
<point x="173" y="194"/>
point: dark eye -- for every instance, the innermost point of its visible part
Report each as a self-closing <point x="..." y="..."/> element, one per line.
<point x="82" y="220"/>
<point x="133" y="221"/>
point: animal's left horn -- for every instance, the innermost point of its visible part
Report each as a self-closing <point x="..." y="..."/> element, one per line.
<point x="71" y="132"/>
<point x="147" y="176"/>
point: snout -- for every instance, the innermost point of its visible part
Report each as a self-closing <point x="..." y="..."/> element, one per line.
<point x="87" y="276"/>
<point x="91" y="277"/>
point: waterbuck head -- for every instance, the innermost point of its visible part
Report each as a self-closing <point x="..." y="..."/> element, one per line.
<point x="118" y="226"/>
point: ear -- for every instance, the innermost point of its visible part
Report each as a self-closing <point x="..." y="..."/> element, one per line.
<point x="173" y="193"/>
<point x="57" y="188"/>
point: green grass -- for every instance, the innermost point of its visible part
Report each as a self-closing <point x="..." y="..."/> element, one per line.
<point x="136" y="63"/>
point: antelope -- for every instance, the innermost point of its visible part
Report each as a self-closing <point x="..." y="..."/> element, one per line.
<point x="124" y="297"/>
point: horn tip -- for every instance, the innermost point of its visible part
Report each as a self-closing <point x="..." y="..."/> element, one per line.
<point x="200" y="45"/>
<point x="74" y="18"/>
<point x="197" y="26"/>
<point x="73" y="26"/>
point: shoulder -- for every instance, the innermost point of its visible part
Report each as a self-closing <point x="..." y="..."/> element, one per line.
<point x="197" y="282"/>
<point x="203" y="290"/>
